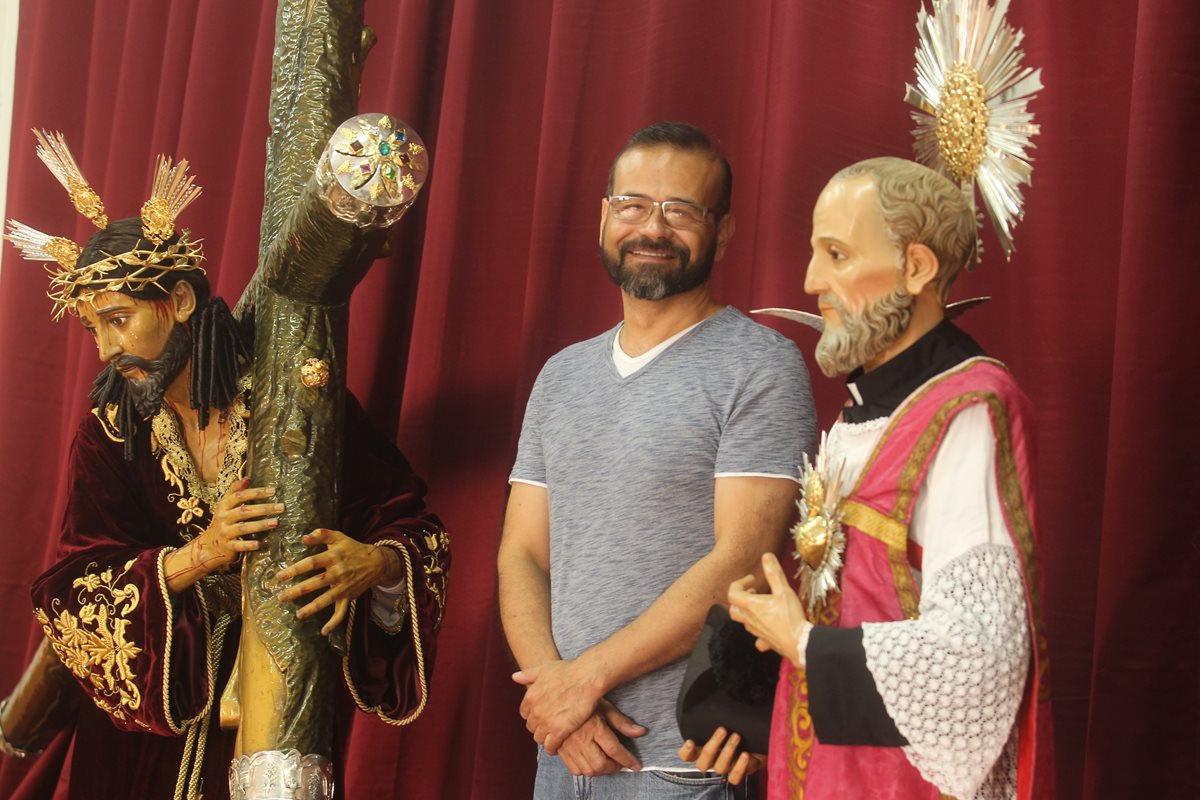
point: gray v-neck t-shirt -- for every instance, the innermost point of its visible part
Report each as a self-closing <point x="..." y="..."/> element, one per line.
<point x="629" y="465"/>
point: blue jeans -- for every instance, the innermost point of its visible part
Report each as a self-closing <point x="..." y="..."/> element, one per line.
<point x="555" y="782"/>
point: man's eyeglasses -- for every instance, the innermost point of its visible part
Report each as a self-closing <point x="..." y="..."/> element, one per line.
<point x="678" y="214"/>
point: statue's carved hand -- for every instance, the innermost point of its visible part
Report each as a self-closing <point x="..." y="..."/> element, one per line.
<point x="776" y="618"/>
<point x="721" y="754"/>
<point x="238" y="514"/>
<point x="345" y="570"/>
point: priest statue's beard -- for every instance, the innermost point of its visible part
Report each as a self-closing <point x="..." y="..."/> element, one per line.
<point x="147" y="393"/>
<point x="656" y="282"/>
<point x="862" y="336"/>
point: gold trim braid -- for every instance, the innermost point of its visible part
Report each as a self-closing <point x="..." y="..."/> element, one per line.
<point x="918" y="459"/>
<point x="874" y="523"/>
<point x="916" y="397"/>
<point x="893" y="534"/>
<point x="1020" y="524"/>
<point x="892" y="529"/>
<point x="180" y="727"/>
<point x="418" y="646"/>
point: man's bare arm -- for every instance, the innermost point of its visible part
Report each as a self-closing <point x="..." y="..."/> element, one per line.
<point x="751" y="516"/>
<point x="523" y="566"/>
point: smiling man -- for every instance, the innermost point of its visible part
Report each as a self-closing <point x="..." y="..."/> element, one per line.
<point x="917" y="670"/>
<point x="656" y="461"/>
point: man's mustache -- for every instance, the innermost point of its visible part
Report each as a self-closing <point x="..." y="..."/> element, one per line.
<point x="653" y="244"/>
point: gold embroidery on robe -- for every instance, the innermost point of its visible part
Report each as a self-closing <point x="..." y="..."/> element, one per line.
<point x="93" y="644"/>
<point x="435" y="574"/>
<point x="108" y="422"/>
<point x="190" y="490"/>
<point x="800" y="728"/>
<point x="800" y="724"/>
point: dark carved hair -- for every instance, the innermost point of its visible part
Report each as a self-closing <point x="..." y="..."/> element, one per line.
<point x="685" y="137"/>
<point x="123" y="235"/>
<point x="921" y="206"/>
<point x="221" y="346"/>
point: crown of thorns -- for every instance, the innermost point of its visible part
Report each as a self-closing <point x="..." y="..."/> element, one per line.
<point x="131" y="271"/>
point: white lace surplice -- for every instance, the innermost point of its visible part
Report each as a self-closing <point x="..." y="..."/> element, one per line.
<point x="952" y="680"/>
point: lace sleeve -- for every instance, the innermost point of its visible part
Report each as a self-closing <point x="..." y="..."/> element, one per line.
<point x="953" y="679"/>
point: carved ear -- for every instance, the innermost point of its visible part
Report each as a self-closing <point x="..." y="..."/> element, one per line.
<point x="920" y="268"/>
<point x="183" y="301"/>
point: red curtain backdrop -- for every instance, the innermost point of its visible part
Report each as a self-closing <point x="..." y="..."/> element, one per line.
<point x="523" y="105"/>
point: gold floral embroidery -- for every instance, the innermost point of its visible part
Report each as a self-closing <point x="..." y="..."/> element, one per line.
<point x="800" y="728"/>
<point x="94" y="644"/>
<point x="190" y="490"/>
<point x="433" y="563"/>
<point x="190" y="506"/>
<point x="800" y="725"/>
<point x="108" y="422"/>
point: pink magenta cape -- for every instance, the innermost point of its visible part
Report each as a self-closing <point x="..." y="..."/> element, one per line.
<point x="877" y="585"/>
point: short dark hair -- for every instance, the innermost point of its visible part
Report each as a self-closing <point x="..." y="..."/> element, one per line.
<point x="123" y="235"/>
<point x="681" y="136"/>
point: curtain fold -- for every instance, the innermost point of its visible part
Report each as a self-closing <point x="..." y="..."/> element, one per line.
<point x="523" y="105"/>
<point x="1145" y="689"/>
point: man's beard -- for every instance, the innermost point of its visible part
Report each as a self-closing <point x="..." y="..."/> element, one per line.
<point x="147" y="393"/>
<point x="654" y="282"/>
<point x="862" y="336"/>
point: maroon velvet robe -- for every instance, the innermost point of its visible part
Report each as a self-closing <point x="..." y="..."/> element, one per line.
<point x="148" y="659"/>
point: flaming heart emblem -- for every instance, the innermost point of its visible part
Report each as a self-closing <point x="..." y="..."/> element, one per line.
<point x="820" y="543"/>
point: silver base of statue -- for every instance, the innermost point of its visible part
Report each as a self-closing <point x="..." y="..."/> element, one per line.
<point x="281" y="775"/>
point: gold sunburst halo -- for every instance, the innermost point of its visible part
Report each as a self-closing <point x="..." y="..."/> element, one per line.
<point x="972" y="95"/>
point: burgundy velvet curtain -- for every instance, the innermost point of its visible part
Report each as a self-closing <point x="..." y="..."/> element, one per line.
<point x="523" y="105"/>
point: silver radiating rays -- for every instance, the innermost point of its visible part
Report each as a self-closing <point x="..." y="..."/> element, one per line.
<point x="973" y="124"/>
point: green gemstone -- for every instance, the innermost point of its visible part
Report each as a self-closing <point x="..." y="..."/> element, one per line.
<point x="384" y="148"/>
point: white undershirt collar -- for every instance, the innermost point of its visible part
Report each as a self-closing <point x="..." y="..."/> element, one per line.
<point x="627" y="365"/>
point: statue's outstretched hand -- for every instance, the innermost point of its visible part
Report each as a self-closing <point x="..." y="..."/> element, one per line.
<point x="345" y="570"/>
<point x="777" y="618"/>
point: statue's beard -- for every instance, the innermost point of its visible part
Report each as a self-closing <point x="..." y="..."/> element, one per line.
<point x="657" y="282"/>
<point x="147" y="392"/>
<point x="862" y="336"/>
